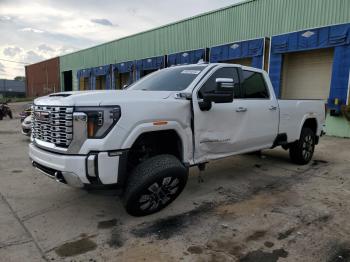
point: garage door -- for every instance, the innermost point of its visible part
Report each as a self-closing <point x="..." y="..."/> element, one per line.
<point x="307" y="75"/>
<point x="84" y="83"/>
<point x="100" y="82"/>
<point x="124" y="79"/>
<point x="242" y="61"/>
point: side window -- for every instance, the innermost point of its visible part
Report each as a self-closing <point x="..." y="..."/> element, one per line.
<point x="225" y="72"/>
<point x="254" y="85"/>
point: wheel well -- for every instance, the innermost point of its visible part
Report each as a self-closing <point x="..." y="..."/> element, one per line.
<point x="154" y="143"/>
<point x="311" y="123"/>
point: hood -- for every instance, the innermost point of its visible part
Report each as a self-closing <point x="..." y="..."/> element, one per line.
<point x="100" y="98"/>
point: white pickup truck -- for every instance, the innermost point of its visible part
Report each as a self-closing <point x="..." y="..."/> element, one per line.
<point x="144" y="139"/>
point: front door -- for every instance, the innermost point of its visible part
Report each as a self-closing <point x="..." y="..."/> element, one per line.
<point x="247" y="124"/>
<point x="217" y="130"/>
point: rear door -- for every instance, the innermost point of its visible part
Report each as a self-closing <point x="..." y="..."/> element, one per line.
<point x="260" y="109"/>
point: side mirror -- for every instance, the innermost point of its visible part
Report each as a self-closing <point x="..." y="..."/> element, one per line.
<point x="223" y="92"/>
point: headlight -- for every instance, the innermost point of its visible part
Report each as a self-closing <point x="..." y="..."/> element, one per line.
<point x="100" y="120"/>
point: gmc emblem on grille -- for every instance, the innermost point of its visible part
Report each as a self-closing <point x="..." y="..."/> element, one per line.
<point x="42" y="116"/>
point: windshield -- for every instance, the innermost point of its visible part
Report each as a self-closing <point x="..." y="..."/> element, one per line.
<point x="169" y="79"/>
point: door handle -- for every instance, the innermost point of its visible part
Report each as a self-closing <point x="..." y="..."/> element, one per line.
<point x="241" y="109"/>
<point x="272" y="108"/>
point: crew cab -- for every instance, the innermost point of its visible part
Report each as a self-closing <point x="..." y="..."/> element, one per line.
<point x="144" y="139"/>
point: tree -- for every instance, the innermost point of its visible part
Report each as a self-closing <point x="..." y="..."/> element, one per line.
<point x="20" y="78"/>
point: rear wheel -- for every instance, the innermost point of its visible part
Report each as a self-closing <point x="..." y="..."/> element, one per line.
<point x="301" y="151"/>
<point x="154" y="184"/>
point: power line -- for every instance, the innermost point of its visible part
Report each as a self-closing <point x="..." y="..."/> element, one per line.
<point x="14" y="65"/>
<point x="12" y="61"/>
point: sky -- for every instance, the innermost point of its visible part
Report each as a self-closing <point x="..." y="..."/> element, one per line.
<point x="35" y="30"/>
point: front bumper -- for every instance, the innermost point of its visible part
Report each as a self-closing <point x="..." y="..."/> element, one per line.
<point x="77" y="171"/>
<point x="69" y="166"/>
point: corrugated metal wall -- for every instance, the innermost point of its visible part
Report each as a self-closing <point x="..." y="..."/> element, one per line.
<point x="12" y="87"/>
<point x="251" y="19"/>
<point x="43" y="78"/>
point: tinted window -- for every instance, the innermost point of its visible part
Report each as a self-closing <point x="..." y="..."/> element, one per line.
<point x="254" y="85"/>
<point x="226" y="72"/>
<point x="169" y="79"/>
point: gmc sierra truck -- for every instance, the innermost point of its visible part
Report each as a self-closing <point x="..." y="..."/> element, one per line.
<point x="144" y="139"/>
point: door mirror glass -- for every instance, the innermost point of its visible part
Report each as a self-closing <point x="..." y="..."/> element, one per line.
<point x="224" y="83"/>
<point x="223" y="92"/>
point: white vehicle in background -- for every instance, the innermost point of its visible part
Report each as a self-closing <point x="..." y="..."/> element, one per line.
<point x="145" y="138"/>
<point x="27" y="126"/>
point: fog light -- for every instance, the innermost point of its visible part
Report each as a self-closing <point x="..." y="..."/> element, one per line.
<point x="91" y="163"/>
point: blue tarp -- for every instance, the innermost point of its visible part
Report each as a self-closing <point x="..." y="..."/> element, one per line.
<point x="337" y="36"/>
<point x="151" y="63"/>
<point x="188" y="57"/>
<point x="122" y="68"/>
<point x="101" y="71"/>
<point x="84" y="73"/>
<point x="340" y="76"/>
<point x="237" y="50"/>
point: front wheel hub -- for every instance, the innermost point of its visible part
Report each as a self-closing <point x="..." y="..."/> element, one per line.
<point x="159" y="193"/>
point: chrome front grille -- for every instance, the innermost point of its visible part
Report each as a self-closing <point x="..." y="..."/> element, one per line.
<point x="53" y="124"/>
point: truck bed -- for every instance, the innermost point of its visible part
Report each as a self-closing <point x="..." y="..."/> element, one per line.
<point x="292" y="111"/>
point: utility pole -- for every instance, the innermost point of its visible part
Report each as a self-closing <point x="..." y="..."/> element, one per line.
<point x="47" y="80"/>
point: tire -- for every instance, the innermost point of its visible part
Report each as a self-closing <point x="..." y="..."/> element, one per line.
<point x="144" y="195"/>
<point x="301" y="151"/>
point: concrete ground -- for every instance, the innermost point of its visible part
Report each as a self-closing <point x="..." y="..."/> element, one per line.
<point x="245" y="208"/>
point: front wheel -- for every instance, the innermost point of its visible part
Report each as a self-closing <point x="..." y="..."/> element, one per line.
<point x="301" y="151"/>
<point x="154" y="184"/>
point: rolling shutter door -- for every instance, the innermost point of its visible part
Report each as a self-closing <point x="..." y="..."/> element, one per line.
<point x="241" y="61"/>
<point x="81" y="83"/>
<point x="307" y="75"/>
<point x="100" y="82"/>
<point x="124" y="79"/>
